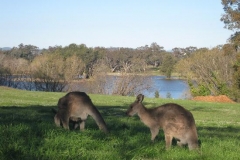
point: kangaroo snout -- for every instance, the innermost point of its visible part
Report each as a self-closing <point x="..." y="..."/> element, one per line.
<point x="129" y="113"/>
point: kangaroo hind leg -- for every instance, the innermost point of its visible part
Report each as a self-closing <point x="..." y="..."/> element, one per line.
<point x="65" y="123"/>
<point x="154" y="133"/>
<point x="57" y="120"/>
<point x="168" y="140"/>
<point x="82" y="125"/>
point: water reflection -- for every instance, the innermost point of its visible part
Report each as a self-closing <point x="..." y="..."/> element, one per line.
<point x="168" y="88"/>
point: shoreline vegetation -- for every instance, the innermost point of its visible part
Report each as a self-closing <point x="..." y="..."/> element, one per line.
<point x="58" y="66"/>
<point x="174" y="76"/>
<point x="104" y="83"/>
<point x="218" y="98"/>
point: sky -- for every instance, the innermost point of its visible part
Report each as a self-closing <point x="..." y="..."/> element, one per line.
<point x="112" y="23"/>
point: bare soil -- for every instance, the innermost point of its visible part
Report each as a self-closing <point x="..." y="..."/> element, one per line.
<point x="220" y="98"/>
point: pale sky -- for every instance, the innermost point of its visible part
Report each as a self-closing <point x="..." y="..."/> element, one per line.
<point x="112" y="23"/>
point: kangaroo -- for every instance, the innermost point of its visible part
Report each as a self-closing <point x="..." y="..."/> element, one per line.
<point x="74" y="120"/>
<point x="176" y="122"/>
<point x="75" y="107"/>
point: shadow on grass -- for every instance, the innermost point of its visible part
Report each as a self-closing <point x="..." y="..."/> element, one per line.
<point x="22" y="129"/>
<point x="26" y="115"/>
<point x="202" y="109"/>
<point x="29" y="125"/>
<point x="219" y="132"/>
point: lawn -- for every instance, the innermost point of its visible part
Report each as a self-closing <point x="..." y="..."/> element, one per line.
<point x="27" y="130"/>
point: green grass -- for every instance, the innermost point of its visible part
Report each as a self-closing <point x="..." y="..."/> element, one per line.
<point x="27" y="130"/>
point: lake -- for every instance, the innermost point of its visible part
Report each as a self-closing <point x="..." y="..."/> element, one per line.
<point x="167" y="88"/>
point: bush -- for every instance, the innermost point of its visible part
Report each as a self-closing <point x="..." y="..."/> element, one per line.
<point x="156" y="94"/>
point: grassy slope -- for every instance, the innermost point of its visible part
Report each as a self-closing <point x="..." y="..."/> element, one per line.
<point x="27" y="130"/>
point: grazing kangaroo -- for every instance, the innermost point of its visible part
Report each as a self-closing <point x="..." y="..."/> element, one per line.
<point x="74" y="120"/>
<point x="176" y="122"/>
<point x="75" y="107"/>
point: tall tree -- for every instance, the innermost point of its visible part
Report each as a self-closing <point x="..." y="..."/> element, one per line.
<point x="168" y="65"/>
<point x="231" y="18"/>
<point x="27" y="52"/>
<point x="211" y="71"/>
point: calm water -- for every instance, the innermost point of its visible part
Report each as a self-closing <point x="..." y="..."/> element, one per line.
<point x="173" y="88"/>
<point x="167" y="88"/>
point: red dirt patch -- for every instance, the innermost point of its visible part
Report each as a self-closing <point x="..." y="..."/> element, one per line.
<point x="220" y="98"/>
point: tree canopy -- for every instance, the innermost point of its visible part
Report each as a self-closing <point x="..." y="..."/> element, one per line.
<point x="231" y="19"/>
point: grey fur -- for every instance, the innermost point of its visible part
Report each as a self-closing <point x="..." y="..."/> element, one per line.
<point x="76" y="106"/>
<point x="175" y="121"/>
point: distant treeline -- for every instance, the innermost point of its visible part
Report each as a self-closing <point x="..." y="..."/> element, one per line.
<point x="214" y="71"/>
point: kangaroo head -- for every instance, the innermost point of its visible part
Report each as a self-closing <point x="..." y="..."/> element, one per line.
<point x="134" y="107"/>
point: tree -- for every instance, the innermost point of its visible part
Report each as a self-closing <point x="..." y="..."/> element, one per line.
<point x="53" y="71"/>
<point x="27" y="52"/>
<point x="183" y="52"/>
<point x="5" y="73"/>
<point x="125" y="56"/>
<point x="211" y="70"/>
<point x="99" y="81"/>
<point x="48" y="74"/>
<point x="111" y="60"/>
<point x="153" y="55"/>
<point x="157" y="94"/>
<point x="13" y="71"/>
<point x="231" y="19"/>
<point x="236" y="77"/>
<point x="156" y="48"/>
<point x="73" y="67"/>
<point x="168" y="65"/>
<point x="131" y="84"/>
<point x="89" y="58"/>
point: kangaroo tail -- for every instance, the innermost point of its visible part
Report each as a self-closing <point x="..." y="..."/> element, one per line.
<point x="99" y="120"/>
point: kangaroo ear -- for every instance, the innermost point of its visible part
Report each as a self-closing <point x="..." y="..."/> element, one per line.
<point x="140" y="98"/>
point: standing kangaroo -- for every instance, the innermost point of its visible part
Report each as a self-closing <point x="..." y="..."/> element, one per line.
<point x="175" y="121"/>
<point x="76" y="106"/>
